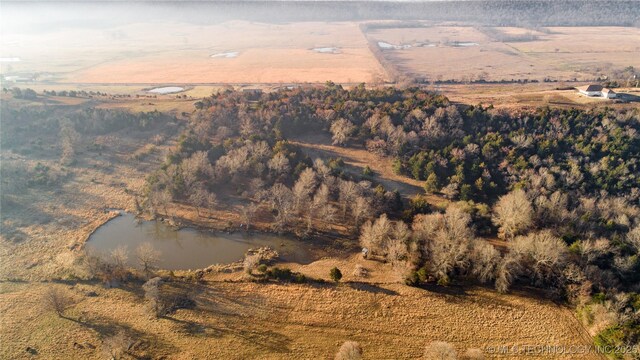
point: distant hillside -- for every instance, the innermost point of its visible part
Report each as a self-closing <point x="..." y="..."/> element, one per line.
<point x="529" y="13"/>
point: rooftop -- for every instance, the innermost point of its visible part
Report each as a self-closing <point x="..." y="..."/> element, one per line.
<point x="591" y="87"/>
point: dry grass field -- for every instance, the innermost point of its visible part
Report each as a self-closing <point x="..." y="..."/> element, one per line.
<point x="532" y="96"/>
<point x="240" y="320"/>
<point x="182" y="53"/>
<point x="244" y="52"/>
<point x="467" y="53"/>
<point x="132" y="59"/>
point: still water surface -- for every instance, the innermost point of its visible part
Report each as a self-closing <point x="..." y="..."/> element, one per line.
<point x="190" y="248"/>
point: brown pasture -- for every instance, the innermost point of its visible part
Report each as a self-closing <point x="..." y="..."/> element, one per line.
<point x="559" y="53"/>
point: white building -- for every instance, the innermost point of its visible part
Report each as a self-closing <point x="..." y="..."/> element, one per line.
<point x="596" y="91"/>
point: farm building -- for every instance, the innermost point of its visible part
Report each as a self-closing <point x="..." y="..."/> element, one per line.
<point x="596" y="91"/>
<point x="608" y="93"/>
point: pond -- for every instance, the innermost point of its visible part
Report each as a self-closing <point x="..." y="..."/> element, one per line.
<point x="386" y="45"/>
<point x="167" y="90"/>
<point x="327" y="50"/>
<point x="464" y="44"/>
<point x="190" y="248"/>
<point x="226" y="55"/>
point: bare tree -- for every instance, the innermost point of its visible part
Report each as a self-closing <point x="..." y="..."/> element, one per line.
<point x="118" y="345"/>
<point x="279" y="164"/>
<point x="119" y="258"/>
<point x="397" y="245"/>
<point x="281" y="199"/>
<point x="440" y="350"/>
<point x="147" y="256"/>
<point x="152" y="294"/>
<point x="551" y="210"/>
<point x="92" y="263"/>
<point x="350" y="350"/>
<point x="508" y="270"/>
<point x="198" y="198"/>
<point x="161" y="199"/>
<point x="303" y="188"/>
<point x="322" y="169"/>
<point x="202" y="198"/>
<point x="360" y="209"/>
<point x="541" y="257"/>
<point x="359" y="271"/>
<point x="212" y="200"/>
<point x="451" y="190"/>
<point x="250" y="262"/>
<point x="485" y="260"/>
<point x="58" y="301"/>
<point x="247" y="213"/>
<point x="255" y="186"/>
<point x="513" y="213"/>
<point x="321" y="206"/>
<point x="342" y="130"/>
<point x="375" y="235"/>
<point x="633" y="237"/>
<point x="592" y="251"/>
<point x="195" y="169"/>
<point x="348" y="193"/>
<point x="446" y="240"/>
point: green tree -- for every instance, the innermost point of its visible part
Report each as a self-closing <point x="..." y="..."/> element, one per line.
<point x="431" y="184"/>
<point x="466" y="192"/>
<point x="367" y="172"/>
<point x="397" y="166"/>
<point x="335" y="274"/>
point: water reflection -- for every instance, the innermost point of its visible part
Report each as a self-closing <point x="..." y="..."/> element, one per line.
<point x="189" y="248"/>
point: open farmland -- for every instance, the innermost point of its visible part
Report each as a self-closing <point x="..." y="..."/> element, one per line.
<point x="230" y="52"/>
<point x="465" y="53"/>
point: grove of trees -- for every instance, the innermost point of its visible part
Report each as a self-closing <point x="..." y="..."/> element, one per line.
<point x="558" y="188"/>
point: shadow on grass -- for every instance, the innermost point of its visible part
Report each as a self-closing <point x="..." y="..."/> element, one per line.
<point x="453" y="290"/>
<point x="265" y="339"/>
<point x="133" y="286"/>
<point x="145" y="345"/>
<point x="371" y="288"/>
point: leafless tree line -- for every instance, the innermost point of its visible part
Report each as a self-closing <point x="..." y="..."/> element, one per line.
<point x="321" y="198"/>
<point x="113" y="268"/>
<point x="441" y="246"/>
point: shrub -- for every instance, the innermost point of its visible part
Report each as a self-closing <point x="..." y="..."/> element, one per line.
<point x="57" y="301"/>
<point x="164" y="299"/>
<point x="359" y="271"/>
<point x="350" y="350"/>
<point x="281" y="274"/>
<point x="335" y="274"/>
<point x="367" y="172"/>
<point x="609" y="340"/>
<point x="473" y="354"/>
<point x="440" y="350"/>
<point x="415" y="278"/>
<point x="118" y="345"/>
